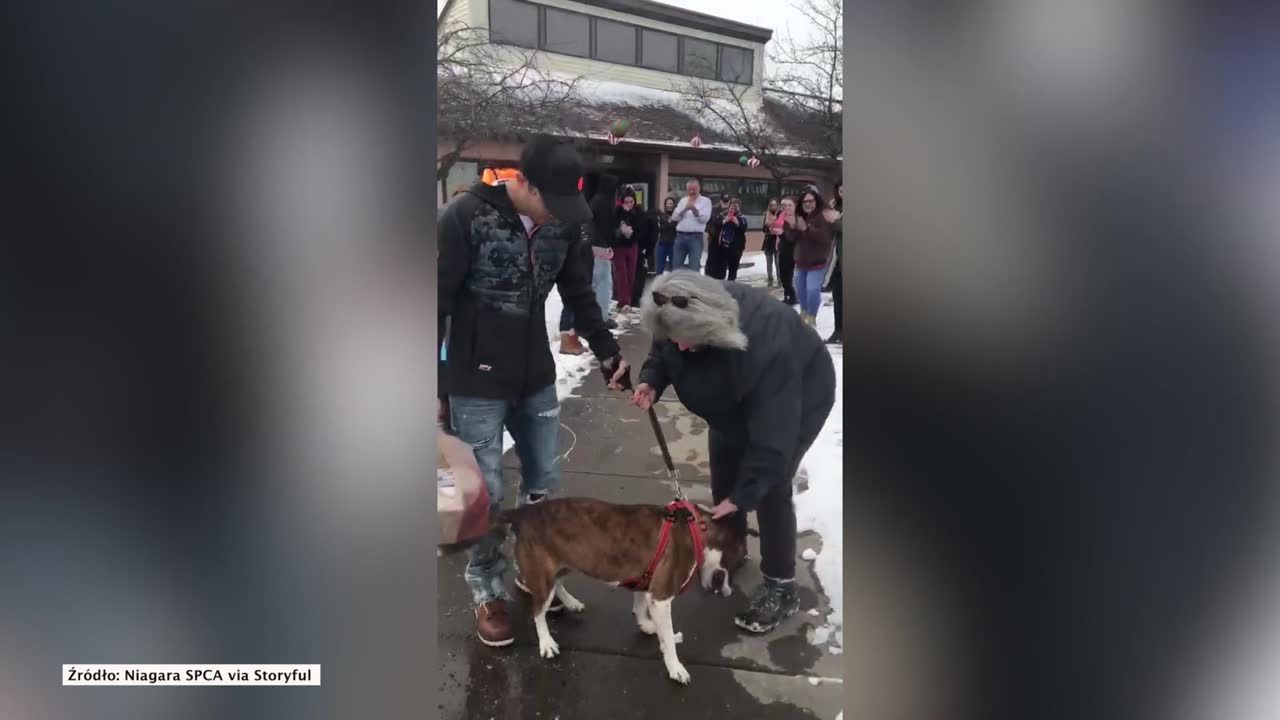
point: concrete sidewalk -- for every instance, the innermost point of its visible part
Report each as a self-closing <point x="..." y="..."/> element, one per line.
<point x="607" y="667"/>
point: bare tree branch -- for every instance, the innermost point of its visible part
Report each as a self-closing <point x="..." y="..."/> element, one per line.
<point x="486" y="90"/>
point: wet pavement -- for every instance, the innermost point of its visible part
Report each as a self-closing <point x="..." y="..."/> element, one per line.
<point x="607" y="667"/>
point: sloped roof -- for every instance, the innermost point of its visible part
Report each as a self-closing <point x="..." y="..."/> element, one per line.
<point x="658" y="119"/>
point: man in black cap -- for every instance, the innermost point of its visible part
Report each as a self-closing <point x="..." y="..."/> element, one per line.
<point x="717" y="262"/>
<point x="503" y="244"/>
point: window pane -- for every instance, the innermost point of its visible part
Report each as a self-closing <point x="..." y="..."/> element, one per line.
<point x="568" y="33"/>
<point x="615" y="42"/>
<point x="735" y="65"/>
<point x="513" y="23"/>
<point x="660" y="50"/>
<point x="676" y="185"/>
<point x="755" y="197"/>
<point x="700" y="58"/>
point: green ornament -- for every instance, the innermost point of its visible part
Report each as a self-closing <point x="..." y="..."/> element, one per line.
<point x="742" y="160"/>
<point x="619" y="128"/>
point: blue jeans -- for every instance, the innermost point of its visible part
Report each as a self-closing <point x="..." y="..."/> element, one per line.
<point x="687" y="251"/>
<point x="534" y="424"/>
<point x="809" y="289"/>
<point x="602" y="284"/>
<point x="664" y="256"/>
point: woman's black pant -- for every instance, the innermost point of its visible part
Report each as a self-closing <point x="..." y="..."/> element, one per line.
<point x="837" y="297"/>
<point x="787" y="269"/>
<point x="733" y="257"/>
<point x="776" y="514"/>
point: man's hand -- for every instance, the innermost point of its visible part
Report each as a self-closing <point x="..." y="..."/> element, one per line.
<point x="618" y="373"/>
<point x="830" y="215"/>
<point x="644" y="396"/>
<point x="801" y="225"/>
<point x="724" y="509"/>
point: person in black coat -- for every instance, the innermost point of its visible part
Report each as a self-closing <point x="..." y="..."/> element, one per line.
<point x="764" y="383"/>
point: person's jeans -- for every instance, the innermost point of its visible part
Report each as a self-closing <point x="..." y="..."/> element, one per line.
<point x="809" y="289"/>
<point x="768" y="263"/>
<point x="687" y="251"/>
<point x="602" y="283"/>
<point x="664" y="256"/>
<point x="534" y="424"/>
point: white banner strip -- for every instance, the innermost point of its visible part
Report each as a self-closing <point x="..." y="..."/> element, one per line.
<point x="119" y="675"/>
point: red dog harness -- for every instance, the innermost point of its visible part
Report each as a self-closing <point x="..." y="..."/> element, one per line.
<point x="677" y="510"/>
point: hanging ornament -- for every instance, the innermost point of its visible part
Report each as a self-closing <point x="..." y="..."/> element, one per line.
<point x="742" y="160"/>
<point x="753" y="161"/>
<point x="696" y="141"/>
<point x="619" y="128"/>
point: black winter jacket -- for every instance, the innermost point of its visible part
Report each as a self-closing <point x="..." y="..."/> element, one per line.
<point x="756" y="396"/>
<point x="494" y="281"/>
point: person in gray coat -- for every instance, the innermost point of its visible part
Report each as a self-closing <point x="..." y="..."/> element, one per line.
<point x="765" y="383"/>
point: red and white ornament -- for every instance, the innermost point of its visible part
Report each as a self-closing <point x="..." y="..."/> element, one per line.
<point x="753" y="161"/>
<point x="696" y="141"/>
<point x="613" y="139"/>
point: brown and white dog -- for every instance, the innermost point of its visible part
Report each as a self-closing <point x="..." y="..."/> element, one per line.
<point x="614" y="543"/>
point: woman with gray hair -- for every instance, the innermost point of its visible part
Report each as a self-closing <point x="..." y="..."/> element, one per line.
<point x="764" y="383"/>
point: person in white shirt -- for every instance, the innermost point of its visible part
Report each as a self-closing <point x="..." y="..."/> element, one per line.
<point x="691" y="216"/>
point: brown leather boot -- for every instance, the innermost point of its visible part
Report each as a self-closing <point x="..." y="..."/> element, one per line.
<point x="493" y="624"/>
<point x="570" y="344"/>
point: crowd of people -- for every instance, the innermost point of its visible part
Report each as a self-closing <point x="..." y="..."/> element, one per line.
<point x="752" y="368"/>
<point x="801" y="247"/>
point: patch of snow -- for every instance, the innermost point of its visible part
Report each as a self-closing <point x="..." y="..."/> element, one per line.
<point x="814" y="612"/>
<point x="835" y="649"/>
<point x="814" y="681"/>
<point x="571" y="370"/>
<point x="820" y="508"/>
<point x="840" y="715"/>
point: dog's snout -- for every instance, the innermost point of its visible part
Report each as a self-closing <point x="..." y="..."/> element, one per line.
<point x="718" y="579"/>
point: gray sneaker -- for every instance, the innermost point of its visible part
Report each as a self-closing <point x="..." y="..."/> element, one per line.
<point x="771" y="603"/>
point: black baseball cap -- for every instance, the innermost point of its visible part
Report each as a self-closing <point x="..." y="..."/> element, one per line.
<point x="556" y="170"/>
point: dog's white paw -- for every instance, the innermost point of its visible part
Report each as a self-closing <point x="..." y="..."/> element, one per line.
<point x="648" y="627"/>
<point x="678" y="673"/>
<point x="548" y="648"/>
<point x="576" y="606"/>
<point x="679" y="637"/>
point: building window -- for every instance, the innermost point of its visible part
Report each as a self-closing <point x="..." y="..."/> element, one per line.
<point x="513" y="23"/>
<point x="531" y="25"/>
<point x="735" y="65"/>
<point x="659" y="51"/>
<point x="615" y="42"/>
<point x="698" y="58"/>
<point x="567" y="33"/>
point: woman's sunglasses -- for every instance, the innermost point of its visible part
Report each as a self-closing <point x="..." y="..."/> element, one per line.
<point x="679" y="301"/>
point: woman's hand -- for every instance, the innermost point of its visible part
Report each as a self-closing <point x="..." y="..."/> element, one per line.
<point x="644" y="396"/>
<point x="830" y="215"/>
<point x="724" y="509"/>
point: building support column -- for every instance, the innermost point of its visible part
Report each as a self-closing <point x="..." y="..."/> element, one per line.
<point x="664" y="173"/>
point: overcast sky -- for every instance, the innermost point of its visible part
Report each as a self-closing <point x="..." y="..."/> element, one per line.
<point x="779" y="16"/>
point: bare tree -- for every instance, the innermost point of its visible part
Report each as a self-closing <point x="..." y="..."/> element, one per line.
<point x="804" y="91"/>
<point x="486" y="90"/>
<point x="735" y="112"/>
<point x="808" y="76"/>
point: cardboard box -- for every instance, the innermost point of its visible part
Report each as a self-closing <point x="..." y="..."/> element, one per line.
<point x="462" y="501"/>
